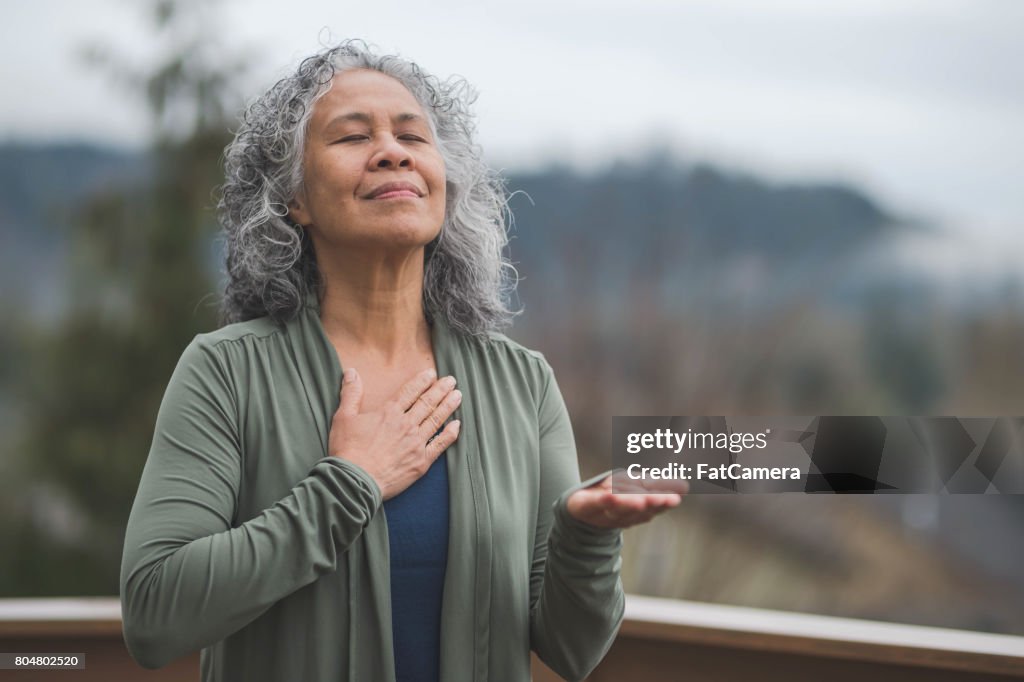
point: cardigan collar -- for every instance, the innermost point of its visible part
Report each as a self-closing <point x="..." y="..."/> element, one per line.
<point x="465" y="610"/>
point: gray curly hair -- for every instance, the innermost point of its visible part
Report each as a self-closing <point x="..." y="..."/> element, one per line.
<point x="271" y="264"/>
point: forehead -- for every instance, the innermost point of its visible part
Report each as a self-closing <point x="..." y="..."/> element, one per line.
<point x="366" y="91"/>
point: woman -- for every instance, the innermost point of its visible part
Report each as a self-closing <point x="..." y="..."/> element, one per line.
<point x="300" y="522"/>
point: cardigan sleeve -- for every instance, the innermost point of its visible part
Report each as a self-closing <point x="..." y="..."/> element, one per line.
<point x="576" y="596"/>
<point x="188" y="577"/>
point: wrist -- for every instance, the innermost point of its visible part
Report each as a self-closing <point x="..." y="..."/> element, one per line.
<point x="362" y="475"/>
<point x="575" y="526"/>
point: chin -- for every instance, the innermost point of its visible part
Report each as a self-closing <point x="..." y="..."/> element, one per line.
<point x="408" y="236"/>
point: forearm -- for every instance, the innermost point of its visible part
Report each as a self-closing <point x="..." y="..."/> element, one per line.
<point x="181" y="595"/>
<point x="581" y="602"/>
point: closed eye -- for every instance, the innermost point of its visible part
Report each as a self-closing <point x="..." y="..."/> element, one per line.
<point x="358" y="138"/>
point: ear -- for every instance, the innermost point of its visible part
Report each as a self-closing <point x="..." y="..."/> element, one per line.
<point x="297" y="211"/>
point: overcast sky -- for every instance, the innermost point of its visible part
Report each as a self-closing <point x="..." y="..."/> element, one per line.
<point x="920" y="102"/>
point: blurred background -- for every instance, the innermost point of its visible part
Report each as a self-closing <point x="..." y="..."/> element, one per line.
<point x="721" y="207"/>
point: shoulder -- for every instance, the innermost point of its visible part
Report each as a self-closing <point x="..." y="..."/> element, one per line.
<point x="223" y="350"/>
<point x="495" y="347"/>
<point x="503" y="344"/>
<point x="257" y="329"/>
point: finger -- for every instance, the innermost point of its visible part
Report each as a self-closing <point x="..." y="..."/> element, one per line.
<point x="624" y="484"/>
<point x="412" y="389"/>
<point x="351" y="393"/>
<point x="606" y="504"/>
<point x="640" y="504"/>
<point x="630" y="487"/>
<point x="651" y="512"/>
<point x="620" y="480"/>
<point x="430" y="399"/>
<point x="610" y="518"/>
<point x="627" y="518"/>
<point x="677" y="486"/>
<point x="441" y="413"/>
<point x="662" y="500"/>
<point x="629" y="503"/>
<point x="443" y="439"/>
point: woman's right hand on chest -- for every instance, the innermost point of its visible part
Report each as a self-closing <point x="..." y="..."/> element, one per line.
<point x="391" y="444"/>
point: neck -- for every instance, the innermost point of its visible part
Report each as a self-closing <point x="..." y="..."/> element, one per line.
<point x="374" y="304"/>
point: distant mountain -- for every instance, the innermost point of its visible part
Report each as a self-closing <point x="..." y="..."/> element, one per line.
<point x="40" y="186"/>
<point x="665" y="223"/>
<point x="722" y="213"/>
<point x="36" y="179"/>
<point x="685" y="232"/>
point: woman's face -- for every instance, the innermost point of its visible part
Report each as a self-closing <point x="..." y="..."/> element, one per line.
<point x="373" y="173"/>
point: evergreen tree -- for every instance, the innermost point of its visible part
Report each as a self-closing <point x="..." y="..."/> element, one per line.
<point x="142" y="263"/>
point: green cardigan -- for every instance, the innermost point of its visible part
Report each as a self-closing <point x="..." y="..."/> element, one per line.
<point x="247" y="541"/>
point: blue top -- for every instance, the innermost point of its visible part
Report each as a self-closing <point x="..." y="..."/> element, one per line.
<point x="418" y="534"/>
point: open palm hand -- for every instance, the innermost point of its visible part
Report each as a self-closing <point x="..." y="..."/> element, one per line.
<point x="629" y="505"/>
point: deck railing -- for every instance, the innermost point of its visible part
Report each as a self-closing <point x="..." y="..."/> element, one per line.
<point x="661" y="639"/>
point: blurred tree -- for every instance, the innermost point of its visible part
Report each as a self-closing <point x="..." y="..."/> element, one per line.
<point x="901" y="351"/>
<point x="140" y="275"/>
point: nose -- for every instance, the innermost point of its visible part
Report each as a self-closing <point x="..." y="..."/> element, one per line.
<point x="391" y="154"/>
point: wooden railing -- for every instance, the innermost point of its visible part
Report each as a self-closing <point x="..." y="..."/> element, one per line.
<point x="666" y="639"/>
<point x="661" y="639"/>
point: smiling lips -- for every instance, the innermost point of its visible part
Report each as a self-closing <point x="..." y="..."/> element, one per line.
<point x="395" y="190"/>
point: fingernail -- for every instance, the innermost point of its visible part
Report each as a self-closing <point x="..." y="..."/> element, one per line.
<point x="350" y="375"/>
<point x="457" y="424"/>
<point x="458" y="395"/>
<point x="449" y="381"/>
<point x="431" y="373"/>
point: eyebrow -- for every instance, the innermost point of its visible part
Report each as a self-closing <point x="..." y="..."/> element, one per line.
<point x="366" y="118"/>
